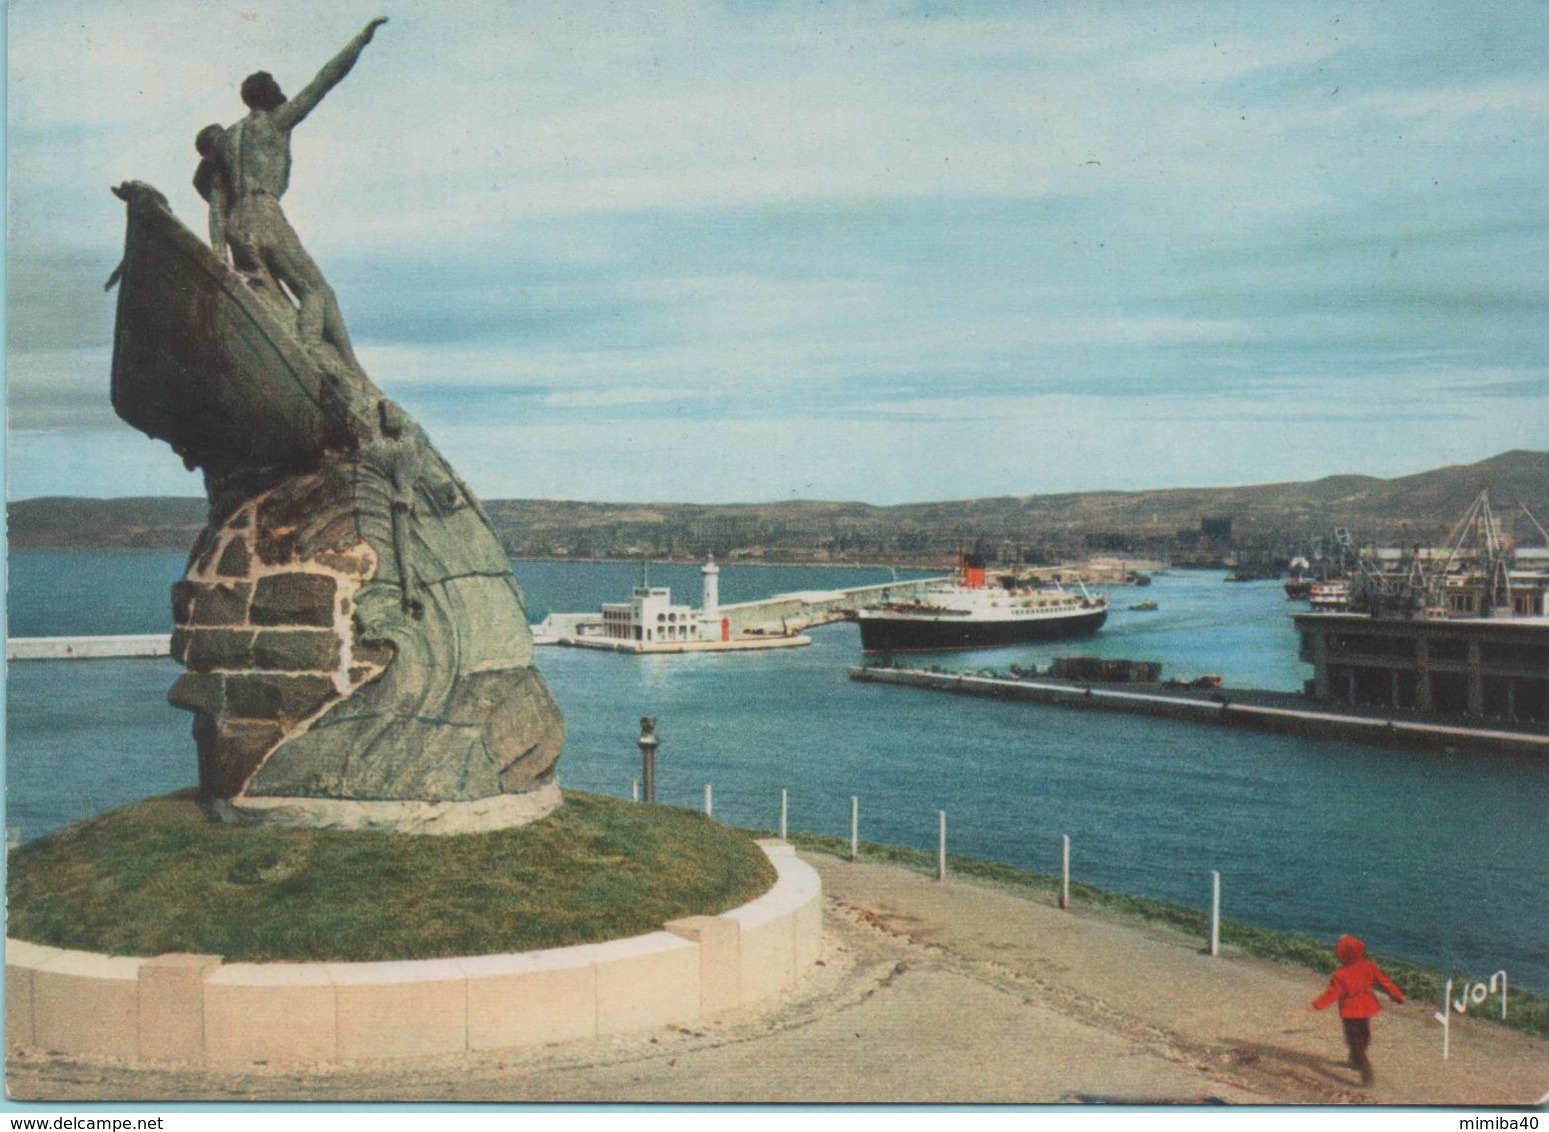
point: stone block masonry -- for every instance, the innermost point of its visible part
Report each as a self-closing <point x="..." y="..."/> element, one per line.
<point x="344" y="679"/>
<point x="267" y="636"/>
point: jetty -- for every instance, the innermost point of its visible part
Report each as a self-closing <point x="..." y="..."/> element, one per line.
<point x="808" y="609"/>
<point x="736" y="644"/>
<point x="88" y="648"/>
<point x="1246" y="708"/>
<point x="650" y="623"/>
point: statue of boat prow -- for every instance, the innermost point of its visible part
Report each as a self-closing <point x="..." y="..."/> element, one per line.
<point x="208" y="361"/>
<point x="356" y="649"/>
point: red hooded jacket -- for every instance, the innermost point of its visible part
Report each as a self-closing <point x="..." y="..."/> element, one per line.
<point x="1352" y="983"/>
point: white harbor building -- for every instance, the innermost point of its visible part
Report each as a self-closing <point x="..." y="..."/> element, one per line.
<point x="650" y="622"/>
<point x="650" y="617"/>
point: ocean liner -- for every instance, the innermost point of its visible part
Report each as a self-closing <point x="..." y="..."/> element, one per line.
<point x="968" y="614"/>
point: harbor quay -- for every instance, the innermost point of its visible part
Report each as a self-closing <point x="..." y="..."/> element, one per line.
<point x="651" y="623"/>
<point x="1248" y="708"/>
<point x="88" y="648"/>
<point x="736" y="644"/>
<point x="1478" y="668"/>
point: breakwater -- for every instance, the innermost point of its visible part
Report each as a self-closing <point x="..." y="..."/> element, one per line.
<point x="1227" y="707"/>
<point x="88" y="648"/>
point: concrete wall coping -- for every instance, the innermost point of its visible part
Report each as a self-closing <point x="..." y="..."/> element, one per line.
<point x="20" y="953"/>
<point x="617" y="950"/>
<point x="194" y="1008"/>
<point x="90" y="965"/>
<point x="523" y="962"/>
<point x="797" y="884"/>
<point x="395" y="971"/>
<point x="270" y="974"/>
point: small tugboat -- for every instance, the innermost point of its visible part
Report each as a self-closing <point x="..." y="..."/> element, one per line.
<point x="1298" y="583"/>
<point x="966" y="614"/>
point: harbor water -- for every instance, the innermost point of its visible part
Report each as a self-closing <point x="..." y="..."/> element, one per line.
<point x="1439" y="858"/>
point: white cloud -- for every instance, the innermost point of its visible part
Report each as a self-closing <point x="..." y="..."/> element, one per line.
<point x="1519" y="100"/>
<point x="609" y="398"/>
<point x="1228" y="57"/>
<point x="841" y="209"/>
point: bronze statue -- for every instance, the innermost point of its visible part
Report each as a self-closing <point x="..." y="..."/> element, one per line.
<point x="247" y="171"/>
<point x="356" y="646"/>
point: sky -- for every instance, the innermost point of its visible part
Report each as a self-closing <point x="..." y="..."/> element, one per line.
<point x="886" y="252"/>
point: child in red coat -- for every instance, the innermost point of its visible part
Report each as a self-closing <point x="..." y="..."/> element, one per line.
<point x="1352" y="986"/>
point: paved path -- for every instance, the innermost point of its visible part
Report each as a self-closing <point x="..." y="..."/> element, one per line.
<point x="945" y="992"/>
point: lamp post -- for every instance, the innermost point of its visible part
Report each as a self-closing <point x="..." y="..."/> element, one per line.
<point x="648" y="744"/>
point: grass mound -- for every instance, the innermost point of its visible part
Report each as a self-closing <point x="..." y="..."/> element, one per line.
<point x="1528" y="1011"/>
<point x="158" y="876"/>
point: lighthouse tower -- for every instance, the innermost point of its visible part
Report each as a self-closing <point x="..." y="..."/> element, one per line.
<point x="711" y="574"/>
<point x="711" y="626"/>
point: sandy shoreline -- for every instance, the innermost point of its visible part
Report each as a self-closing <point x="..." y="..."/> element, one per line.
<point x="931" y="993"/>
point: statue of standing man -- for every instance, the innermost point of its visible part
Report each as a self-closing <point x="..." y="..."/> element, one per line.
<point x="245" y="171"/>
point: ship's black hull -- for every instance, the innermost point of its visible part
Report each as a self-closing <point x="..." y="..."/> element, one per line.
<point x="906" y="634"/>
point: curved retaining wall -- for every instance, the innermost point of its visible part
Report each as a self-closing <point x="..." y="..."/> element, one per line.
<point x="195" y="1009"/>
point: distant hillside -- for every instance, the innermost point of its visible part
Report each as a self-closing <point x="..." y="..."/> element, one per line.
<point x="155" y="522"/>
<point x="1275" y="518"/>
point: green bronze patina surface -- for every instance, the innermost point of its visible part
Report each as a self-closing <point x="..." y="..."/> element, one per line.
<point x="349" y="624"/>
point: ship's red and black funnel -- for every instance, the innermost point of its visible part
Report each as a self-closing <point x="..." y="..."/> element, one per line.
<point x="973" y="571"/>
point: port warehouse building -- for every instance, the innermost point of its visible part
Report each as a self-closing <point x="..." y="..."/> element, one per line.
<point x="1485" y="668"/>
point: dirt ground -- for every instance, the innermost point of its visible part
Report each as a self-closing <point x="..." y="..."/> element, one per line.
<point x="932" y="993"/>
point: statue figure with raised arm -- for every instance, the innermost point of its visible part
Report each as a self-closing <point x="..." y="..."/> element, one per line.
<point x="356" y="649"/>
<point x="249" y="173"/>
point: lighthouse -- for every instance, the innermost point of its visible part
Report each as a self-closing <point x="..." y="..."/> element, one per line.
<point x="711" y="599"/>
<point x="712" y="626"/>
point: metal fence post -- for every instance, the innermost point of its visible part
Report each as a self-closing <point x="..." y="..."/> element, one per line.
<point x="941" y="850"/>
<point x="1065" y="871"/>
<point x="1215" y="913"/>
<point x="784" y="806"/>
<point x="1444" y="1016"/>
<point x="855" y="827"/>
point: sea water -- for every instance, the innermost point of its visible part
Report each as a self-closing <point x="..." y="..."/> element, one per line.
<point x="1440" y="858"/>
